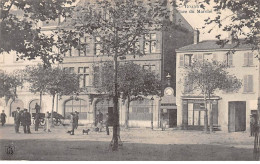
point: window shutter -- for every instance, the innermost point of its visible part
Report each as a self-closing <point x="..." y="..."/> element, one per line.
<point x="158" y="41"/>
<point x="245" y="59"/>
<point x="250" y="83"/>
<point x="200" y="57"/>
<point x="250" y="59"/>
<point x="230" y="59"/>
<point x="141" y="43"/>
<point x="215" y="57"/>
<point x="181" y="60"/>
<point x="245" y="84"/>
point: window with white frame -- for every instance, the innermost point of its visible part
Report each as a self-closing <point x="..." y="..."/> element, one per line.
<point x="84" y="80"/>
<point x="248" y="83"/>
<point x="150" y="43"/>
<point x="229" y="59"/>
<point x="185" y="59"/>
<point x="248" y="59"/>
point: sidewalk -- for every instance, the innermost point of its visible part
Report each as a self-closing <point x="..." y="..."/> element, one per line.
<point x="138" y="144"/>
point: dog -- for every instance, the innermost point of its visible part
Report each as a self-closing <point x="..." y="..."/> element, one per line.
<point x="85" y="131"/>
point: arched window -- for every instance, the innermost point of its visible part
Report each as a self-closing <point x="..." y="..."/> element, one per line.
<point x="15" y="104"/>
<point x="79" y="105"/>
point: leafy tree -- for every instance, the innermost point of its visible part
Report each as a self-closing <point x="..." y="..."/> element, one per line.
<point x="134" y="82"/>
<point x="61" y="82"/>
<point x="208" y="77"/>
<point x="20" y="31"/>
<point x="117" y="25"/>
<point x="9" y="84"/>
<point x="38" y="78"/>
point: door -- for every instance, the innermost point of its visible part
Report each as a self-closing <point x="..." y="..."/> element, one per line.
<point x="236" y="116"/>
<point x="172" y="117"/>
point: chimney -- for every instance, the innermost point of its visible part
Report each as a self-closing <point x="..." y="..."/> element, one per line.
<point x="196" y="36"/>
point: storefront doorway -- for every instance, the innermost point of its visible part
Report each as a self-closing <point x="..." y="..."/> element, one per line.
<point x="236" y="116"/>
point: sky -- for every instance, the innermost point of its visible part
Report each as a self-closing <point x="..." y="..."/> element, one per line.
<point x="196" y="19"/>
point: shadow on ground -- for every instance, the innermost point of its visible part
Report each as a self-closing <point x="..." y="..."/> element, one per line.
<point x="99" y="151"/>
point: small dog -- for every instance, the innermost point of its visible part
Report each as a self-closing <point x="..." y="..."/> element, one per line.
<point x="85" y="131"/>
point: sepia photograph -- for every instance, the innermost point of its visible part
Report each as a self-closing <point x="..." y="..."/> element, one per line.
<point x="129" y="80"/>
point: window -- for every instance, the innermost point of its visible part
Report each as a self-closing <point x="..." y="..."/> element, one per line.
<point x="188" y="87"/>
<point x="150" y="43"/>
<point x="84" y="80"/>
<point x="248" y="83"/>
<point x="149" y="67"/>
<point x="98" y="46"/>
<point x="185" y="60"/>
<point x="248" y="59"/>
<point x="229" y="59"/>
<point x="76" y="105"/>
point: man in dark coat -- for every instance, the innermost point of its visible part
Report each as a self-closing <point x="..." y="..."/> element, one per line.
<point x="26" y="121"/>
<point x="106" y="121"/>
<point x="37" y="121"/>
<point x="17" y="119"/>
<point x="3" y="117"/>
<point x="76" y="119"/>
<point x="72" y="121"/>
<point x="37" y="108"/>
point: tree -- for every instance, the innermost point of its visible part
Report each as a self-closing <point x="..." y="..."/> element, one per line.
<point x="208" y="77"/>
<point x="20" y="31"/>
<point x="61" y="82"/>
<point x="38" y="78"/>
<point x="117" y="25"/>
<point x="9" y="84"/>
<point x="134" y="82"/>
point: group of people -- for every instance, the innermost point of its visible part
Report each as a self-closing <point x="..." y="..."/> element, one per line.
<point x="22" y="117"/>
<point x="74" y="120"/>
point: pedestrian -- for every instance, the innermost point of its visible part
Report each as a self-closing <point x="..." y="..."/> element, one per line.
<point x="37" y="121"/>
<point x="37" y="108"/>
<point x="99" y="117"/>
<point x="73" y="123"/>
<point x="76" y="119"/>
<point x="252" y="125"/>
<point x="17" y="119"/>
<point x="106" y="121"/>
<point x="47" y="122"/>
<point x="3" y="118"/>
<point x="26" y="121"/>
<point x="163" y="123"/>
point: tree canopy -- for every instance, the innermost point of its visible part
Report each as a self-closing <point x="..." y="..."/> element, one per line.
<point x="20" y="31"/>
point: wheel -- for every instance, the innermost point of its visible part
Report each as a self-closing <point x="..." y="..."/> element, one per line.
<point x="42" y="122"/>
<point x="56" y="121"/>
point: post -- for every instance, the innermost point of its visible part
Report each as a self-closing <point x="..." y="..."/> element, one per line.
<point x="152" y="114"/>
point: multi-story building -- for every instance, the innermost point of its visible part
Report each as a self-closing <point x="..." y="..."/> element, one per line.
<point x="159" y="47"/>
<point x="231" y="111"/>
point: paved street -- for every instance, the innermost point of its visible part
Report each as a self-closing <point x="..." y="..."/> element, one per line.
<point x="138" y="144"/>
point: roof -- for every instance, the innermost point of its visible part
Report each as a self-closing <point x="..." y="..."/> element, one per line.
<point x="211" y="45"/>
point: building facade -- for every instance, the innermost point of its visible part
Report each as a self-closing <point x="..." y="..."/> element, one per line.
<point x="231" y="111"/>
<point x="159" y="47"/>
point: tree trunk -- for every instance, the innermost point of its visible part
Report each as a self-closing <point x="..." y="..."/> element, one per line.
<point x="52" y="109"/>
<point x="205" y="115"/>
<point x="116" y="113"/>
<point x="127" y="113"/>
<point x="210" y="118"/>
<point x="40" y="101"/>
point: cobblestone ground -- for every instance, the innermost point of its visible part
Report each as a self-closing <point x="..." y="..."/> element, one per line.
<point x="138" y="144"/>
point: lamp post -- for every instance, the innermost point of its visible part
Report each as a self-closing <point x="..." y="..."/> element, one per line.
<point x="152" y="114"/>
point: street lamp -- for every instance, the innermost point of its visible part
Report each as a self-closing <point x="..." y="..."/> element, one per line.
<point x="152" y="114"/>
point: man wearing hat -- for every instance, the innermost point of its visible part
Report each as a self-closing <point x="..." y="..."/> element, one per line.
<point x="76" y="119"/>
<point x="252" y="124"/>
<point x="17" y="119"/>
<point x="26" y="121"/>
<point x="72" y="121"/>
<point x="3" y="117"/>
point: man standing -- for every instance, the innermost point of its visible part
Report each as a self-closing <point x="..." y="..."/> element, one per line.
<point x="47" y="122"/>
<point x="26" y="121"/>
<point x="3" y="117"/>
<point x="37" y="121"/>
<point x="252" y="125"/>
<point x="76" y="119"/>
<point x="72" y="121"/>
<point x="99" y="120"/>
<point x="106" y="123"/>
<point x="17" y="119"/>
<point x="37" y="108"/>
